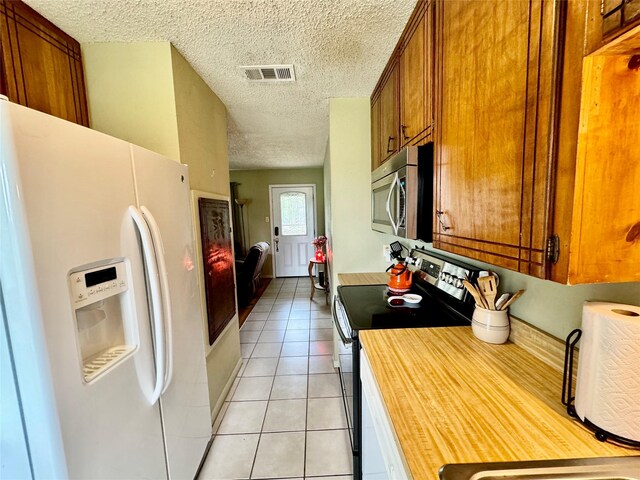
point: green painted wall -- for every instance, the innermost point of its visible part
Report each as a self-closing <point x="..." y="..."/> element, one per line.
<point x="254" y="186"/>
<point x="130" y="93"/>
<point x="202" y="129"/>
<point x="354" y="247"/>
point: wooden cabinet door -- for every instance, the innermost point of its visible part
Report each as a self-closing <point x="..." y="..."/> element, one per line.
<point x="415" y="80"/>
<point x="492" y="151"/>
<point x="389" y="125"/>
<point x="619" y="16"/>
<point x="605" y="240"/>
<point x="375" y="133"/>
<point x="42" y="65"/>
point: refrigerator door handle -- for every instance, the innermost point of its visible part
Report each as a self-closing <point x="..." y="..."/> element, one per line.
<point x="166" y="297"/>
<point x="156" y="303"/>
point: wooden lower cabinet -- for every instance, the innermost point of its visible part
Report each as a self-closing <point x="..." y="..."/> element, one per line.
<point x="41" y="65"/>
<point x="537" y="150"/>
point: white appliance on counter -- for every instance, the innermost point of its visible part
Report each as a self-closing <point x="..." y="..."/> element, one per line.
<point x="102" y="350"/>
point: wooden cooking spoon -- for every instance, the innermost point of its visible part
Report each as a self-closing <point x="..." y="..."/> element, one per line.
<point x="475" y="293"/>
<point x="489" y="290"/>
<point x="516" y="296"/>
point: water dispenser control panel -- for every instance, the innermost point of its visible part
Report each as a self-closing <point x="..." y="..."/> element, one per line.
<point x="95" y="284"/>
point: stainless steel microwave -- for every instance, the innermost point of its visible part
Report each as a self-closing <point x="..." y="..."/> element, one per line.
<point x="402" y="194"/>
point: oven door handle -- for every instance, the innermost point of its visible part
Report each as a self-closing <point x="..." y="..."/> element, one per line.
<point x="393" y="184"/>
<point x="343" y="337"/>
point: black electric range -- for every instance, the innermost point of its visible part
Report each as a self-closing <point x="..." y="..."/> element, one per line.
<point x="445" y="303"/>
<point x="367" y="308"/>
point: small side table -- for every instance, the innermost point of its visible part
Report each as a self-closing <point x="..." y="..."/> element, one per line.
<point x="318" y="286"/>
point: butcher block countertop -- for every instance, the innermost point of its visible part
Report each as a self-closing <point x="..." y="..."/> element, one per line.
<point x="454" y="399"/>
<point x="373" y="278"/>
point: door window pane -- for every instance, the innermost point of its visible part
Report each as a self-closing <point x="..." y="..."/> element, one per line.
<point x="293" y="210"/>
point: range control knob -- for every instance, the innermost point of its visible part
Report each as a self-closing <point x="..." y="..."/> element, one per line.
<point x="458" y="283"/>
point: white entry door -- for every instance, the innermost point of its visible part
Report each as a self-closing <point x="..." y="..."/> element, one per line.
<point x="294" y="228"/>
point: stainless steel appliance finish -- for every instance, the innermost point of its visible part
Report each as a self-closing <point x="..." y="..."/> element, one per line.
<point x="612" y="468"/>
<point x="346" y="361"/>
<point x="402" y="194"/>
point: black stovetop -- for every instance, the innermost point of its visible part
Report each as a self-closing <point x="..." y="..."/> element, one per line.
<point x="367" y="308"/>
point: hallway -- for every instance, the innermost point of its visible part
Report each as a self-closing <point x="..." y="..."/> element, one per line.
<point x="284" y="415"/>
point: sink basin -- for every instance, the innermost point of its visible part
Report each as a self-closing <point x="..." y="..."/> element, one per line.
<point x="610" y="468"/>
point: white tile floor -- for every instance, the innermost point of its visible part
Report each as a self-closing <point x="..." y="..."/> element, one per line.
<point x="284" y="416"/>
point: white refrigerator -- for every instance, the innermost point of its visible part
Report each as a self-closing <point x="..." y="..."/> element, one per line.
<point x="102" y="350"/>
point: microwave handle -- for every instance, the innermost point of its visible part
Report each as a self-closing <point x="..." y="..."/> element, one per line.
<point x="403" y="194"/>
<point x="393" y="185"/>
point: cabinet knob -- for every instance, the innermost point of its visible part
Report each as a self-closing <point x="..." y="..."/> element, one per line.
<point x="404" y="131"/>
<point x="439" y="215"/>
<point x="389" y="149"/>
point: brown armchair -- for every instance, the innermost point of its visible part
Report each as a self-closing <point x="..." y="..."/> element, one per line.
<point x="248" y="272"/>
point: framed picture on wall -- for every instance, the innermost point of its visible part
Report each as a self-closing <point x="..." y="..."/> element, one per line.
<point x="214" y="239"/>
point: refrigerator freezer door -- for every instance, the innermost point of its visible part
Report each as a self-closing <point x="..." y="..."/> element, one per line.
<point x="76" y="186"/>
<point x="162" y="187"/>
<point x="14" y="454"/>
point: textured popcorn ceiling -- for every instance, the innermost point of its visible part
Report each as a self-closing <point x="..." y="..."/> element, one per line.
<point x="338" y="48"/>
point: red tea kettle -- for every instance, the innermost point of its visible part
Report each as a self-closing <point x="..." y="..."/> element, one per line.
<point x="400" y="278"/>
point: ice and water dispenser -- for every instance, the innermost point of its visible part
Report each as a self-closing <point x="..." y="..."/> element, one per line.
<point x="103" y="316"/>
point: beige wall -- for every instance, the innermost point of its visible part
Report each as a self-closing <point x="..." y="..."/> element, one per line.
<point x="202" y="134"/>
<point x="130" y="93"/>
<point x="148" y="94"/>
<point x="254" y="185"/>
<point x="554" y="308"/>
<point x="202" y="129"/>
<point x="354" y="246"/>
<point x="326" y="173"/>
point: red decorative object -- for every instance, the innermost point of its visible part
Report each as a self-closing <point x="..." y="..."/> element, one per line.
<point x="319" y="255"/>
<point x="319" y="242"/>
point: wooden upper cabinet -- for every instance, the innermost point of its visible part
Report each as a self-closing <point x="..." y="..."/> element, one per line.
<point x="618" y="16"/>
<point x="41" y="65"/>
<point x="416" y="79"/>
<point x="402" y="99"/>
<point x="604" y="240"/>
<point x="493" y="139"/>
<point x="389" y="124"/>
<point x="537" y="146"/>
<point x="376" y="158"/>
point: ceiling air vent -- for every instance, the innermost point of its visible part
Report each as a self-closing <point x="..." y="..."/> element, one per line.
<point x="270" y="73"/>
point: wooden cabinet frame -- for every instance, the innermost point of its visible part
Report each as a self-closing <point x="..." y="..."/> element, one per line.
<point x="41" y="65"/>
<point x="526" y="252"/>
<point x="578" y="176"/>
<point x="382" y="114"/>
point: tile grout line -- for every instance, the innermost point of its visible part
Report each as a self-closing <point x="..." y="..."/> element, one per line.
<point x="255" y="455"/>
<point x="279" y="358"/>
